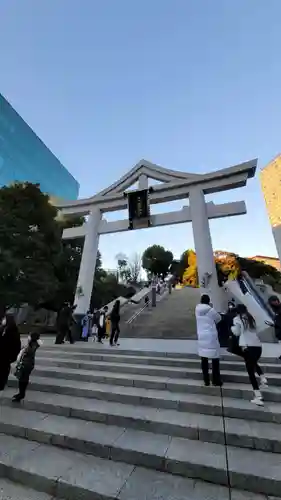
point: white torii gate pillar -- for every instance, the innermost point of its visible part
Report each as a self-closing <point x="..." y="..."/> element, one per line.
<point x="88" y="263"/>
<point x="207" y="274"/>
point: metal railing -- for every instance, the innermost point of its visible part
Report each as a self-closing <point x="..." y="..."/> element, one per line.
<point x="130" y="320"/>
<point x="139" y="311"/>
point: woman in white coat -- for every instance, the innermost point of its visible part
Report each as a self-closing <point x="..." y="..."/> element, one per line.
<point x="208" y="342"/>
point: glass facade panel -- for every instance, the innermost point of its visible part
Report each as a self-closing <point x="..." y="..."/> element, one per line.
<point x="24" y="157"/>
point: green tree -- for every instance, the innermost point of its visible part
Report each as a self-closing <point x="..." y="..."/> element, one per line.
<point x="68" y="265"/>
<point x="36" y="266"/>
<point x="107" y="289"/>
<point x="156" y="260"/>
<point x="30" y="246"/>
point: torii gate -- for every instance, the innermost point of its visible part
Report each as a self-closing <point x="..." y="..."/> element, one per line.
<point x="173" y="185"/>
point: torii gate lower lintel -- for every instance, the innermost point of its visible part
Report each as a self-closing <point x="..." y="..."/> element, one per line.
<point x="174" y="186"/>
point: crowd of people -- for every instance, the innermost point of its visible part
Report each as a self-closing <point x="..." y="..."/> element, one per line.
<point x="243" y="341"/>
<point x="100" y="325"/>
<point x="96" y="325"/>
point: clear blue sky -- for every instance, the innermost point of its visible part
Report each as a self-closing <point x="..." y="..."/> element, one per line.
<point x="189" y="84"/>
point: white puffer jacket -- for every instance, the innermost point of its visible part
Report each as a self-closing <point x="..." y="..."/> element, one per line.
<point x="247" y="337"/>
<point x="208" y="342"/>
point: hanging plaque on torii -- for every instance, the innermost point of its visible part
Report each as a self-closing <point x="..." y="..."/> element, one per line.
<point x="138" y="208"/>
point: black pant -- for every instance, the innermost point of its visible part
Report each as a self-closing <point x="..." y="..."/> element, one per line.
<point x="64" y="332"/>
<point x="101" y="333"/>
<point x="23" y="383"/>
<point x="216" y="376"/>
<point x="4" y="374"/>
<point x="251" y="356"/>
<point x="115" y="332"/>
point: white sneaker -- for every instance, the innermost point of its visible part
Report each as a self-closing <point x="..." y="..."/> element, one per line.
<point x="263" y="382"/>
<point x="257" y="399"/>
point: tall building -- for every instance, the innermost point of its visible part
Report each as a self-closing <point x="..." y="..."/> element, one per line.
<point x="271" y="187"/>
<point x="24" y="157"/>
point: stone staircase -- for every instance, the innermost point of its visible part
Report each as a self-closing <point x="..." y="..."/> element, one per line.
<point x="103" y="424"/>
<point x="173" y="317"/>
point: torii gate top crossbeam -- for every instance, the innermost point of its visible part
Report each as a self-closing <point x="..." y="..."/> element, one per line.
<point x="175" y="186"/>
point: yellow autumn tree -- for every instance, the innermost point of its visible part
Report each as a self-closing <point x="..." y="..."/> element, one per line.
<point x="226" y="264"/>
<point x="190" y="275"/>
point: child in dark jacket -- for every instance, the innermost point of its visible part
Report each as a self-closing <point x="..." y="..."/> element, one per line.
<point x="25" y="364"/>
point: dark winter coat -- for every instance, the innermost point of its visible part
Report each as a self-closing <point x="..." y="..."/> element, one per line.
<point x="96" y="317"/>
<point x="277" y="325"/>
<point x="10" y="344"/>
<point x="115" y="314"/>
<point x="115" y="317"/>
<point x="64" y="318"/>
<point x="26" y="362"/>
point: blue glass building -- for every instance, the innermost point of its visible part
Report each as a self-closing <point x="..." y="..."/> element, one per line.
<point x="24" y="157"/>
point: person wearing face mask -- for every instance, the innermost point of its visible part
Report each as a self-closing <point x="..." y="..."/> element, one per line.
<point x="10" y="346"/>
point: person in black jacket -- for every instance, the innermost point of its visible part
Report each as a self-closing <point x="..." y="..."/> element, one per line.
<point x="25" y="364"/>
<point x="115" y="320"/>
<point x="64" y="322"/>
<point x="275" y="304"/>
<point x="10" y="346"/>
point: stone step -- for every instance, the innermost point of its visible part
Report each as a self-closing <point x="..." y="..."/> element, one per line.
<point x="88" y="349"/>
<point x="191" y="384"/>
<point x="79" y="392"/>
<point x="177" y="372"/>
<point x="59" y="473"/>
<point x="112" y="411"/>
<point x="77" y="361"/>
<point x="102" y="439"/>
<point x="153" y="330"/>
<point x="13" y="491"/>
<point x="71" y="475"/>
